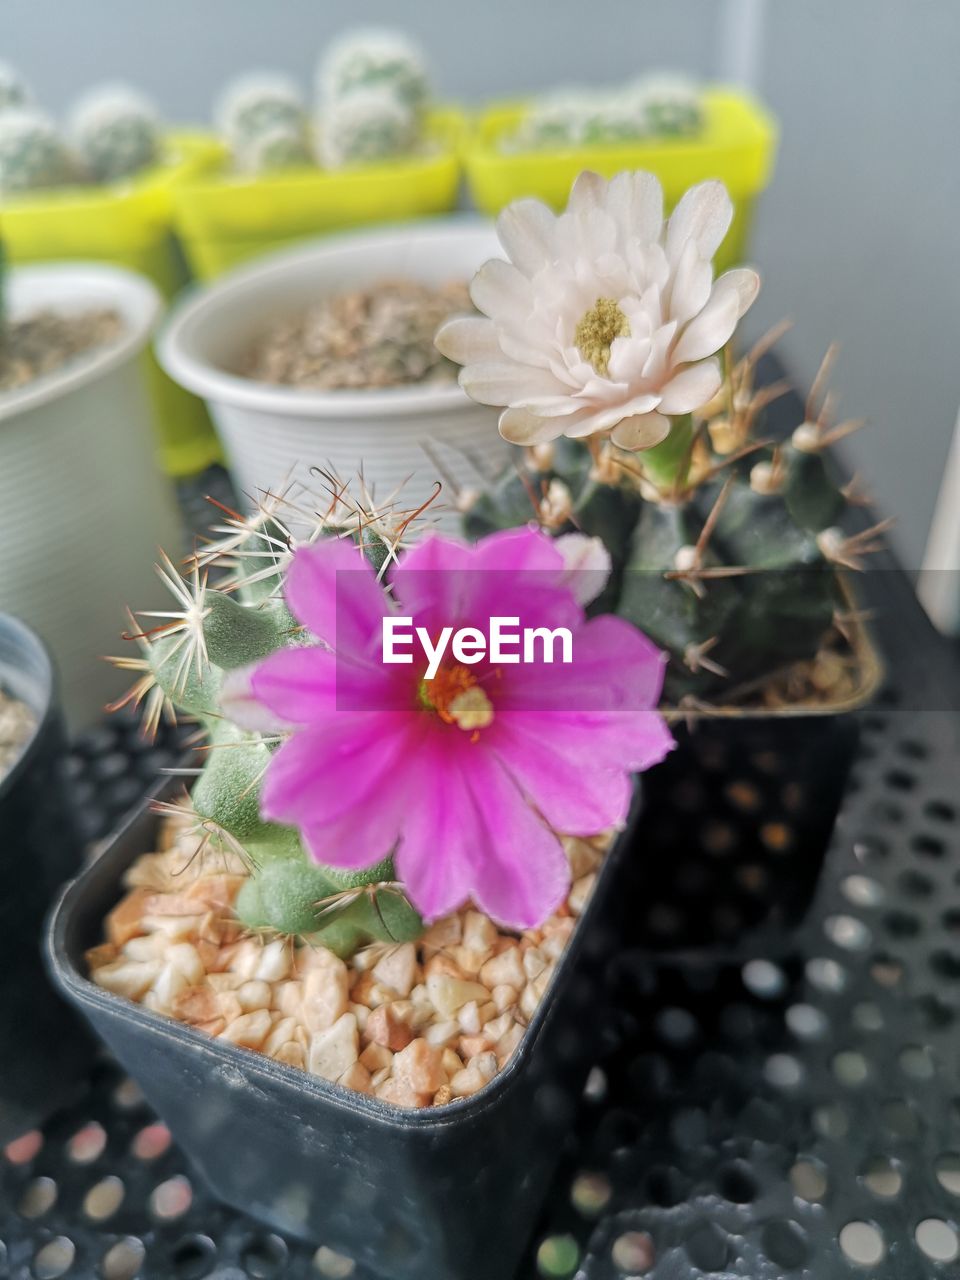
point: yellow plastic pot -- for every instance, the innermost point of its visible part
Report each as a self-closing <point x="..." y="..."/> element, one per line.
<point x="737" y="144"/>
<point x="223" y="218"/>
<point x="128" y="224"/>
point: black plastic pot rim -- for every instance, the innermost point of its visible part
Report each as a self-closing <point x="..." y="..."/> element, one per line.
<point x="82" y="991"/>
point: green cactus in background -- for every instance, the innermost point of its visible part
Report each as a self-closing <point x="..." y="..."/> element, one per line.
<point x="115" y="132"/>
<point x="725" y="547"/>
<point x="373" y="58"/>
<point x="14" y="91"/>
<point x="277" y="148"/>
<point x="184" y="667"/>
<point x="670" y="104"/>
<point x="32" y="154"/>
<point x="257" y="103"/>
<point x="364" y="126"/>
<point x="654" y="106"/>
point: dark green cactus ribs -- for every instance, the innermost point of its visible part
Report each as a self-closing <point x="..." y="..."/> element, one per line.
<point x="725" y="547"/>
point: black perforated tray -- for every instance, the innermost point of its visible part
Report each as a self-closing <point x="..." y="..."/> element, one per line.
<point x="774" y="1120"/>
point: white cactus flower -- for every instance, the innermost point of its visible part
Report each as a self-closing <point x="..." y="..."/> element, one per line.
<point x="604" y="319"/>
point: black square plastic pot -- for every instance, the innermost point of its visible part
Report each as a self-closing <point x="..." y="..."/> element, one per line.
<point x="735" y="829"/>
<point x="44" y="1048"/>
<point x="446" y="1193"/>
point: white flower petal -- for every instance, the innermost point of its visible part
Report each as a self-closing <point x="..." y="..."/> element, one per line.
<point x="589" y="191"/>
<point x="640" y="405"/>
<point x="656" y="367"/>
<point x="747" y="284"/>
<point x="501" y="292"/>
<point x="691" y="387"/>
<point x="519" y="426"/>
<point x="505" y="382"/>
<point x="587" y="565"/>
<point x="703" y="215"/>
<point x="642" y="431"/>
<point x="467" y="339"/>
<point x="692" y="282"/>
<point x="710" y="330"/>
<point x="627" y="358"/>
<point x="526" y="229"/>
<point x="635" y="201"/>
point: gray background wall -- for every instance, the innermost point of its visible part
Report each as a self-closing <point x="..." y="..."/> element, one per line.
<point x="858" y="238"/>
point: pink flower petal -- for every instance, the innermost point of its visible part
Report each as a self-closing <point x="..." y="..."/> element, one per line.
<point x="317" y="778"/>
<point x="332" y="589"/>
<point x="521" y="874"/>
<point x="562" y="778"/>
<point x="436" y="856"/>
<point x="520" y="426"/>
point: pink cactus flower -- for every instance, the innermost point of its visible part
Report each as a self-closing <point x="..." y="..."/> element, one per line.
<point x="466" y="778"/>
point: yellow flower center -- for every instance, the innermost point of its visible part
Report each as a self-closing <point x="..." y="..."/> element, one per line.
<point x="596" y="331"/>
<point x="457" y="699"/>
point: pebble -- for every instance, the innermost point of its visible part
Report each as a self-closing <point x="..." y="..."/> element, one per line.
<point x="326" y="987"/>
<point x="398" y="969"/>
<point x="335" y="1050"/>
<point x="249" y="1030"/>
<point x="448" y="995"/>
<point x="384" y="1027"/>
<point x="420" y="1066"/>
<point x="416" y="1024"/>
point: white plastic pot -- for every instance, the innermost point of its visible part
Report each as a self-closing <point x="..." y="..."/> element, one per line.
<point x="410" y="436"/>
<point x="83" y="507"/>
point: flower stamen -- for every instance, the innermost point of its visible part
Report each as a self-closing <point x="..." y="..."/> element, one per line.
<point x="597" y="330"/>
<point x="454" y="695"/>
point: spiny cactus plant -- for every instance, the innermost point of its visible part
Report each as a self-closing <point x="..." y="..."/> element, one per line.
<point x="653" y="106"/>
<point x="32" y="154"/>
<point x="186" y="655"/>
<point x="115" y="131"/>
<point x="258" y="102"/>
<point x="277" y="148"/>
<point x="373" y="58"/>
<point x="14" y="91"/>
<point x="366" y="125"/>
<point x="725" y="545"/>
<point x="670" y="104"/>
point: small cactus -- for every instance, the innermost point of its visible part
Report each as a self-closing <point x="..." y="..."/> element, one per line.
<point x="654" y="106"/>
<point x="670" y="104"/>
<point x="14" y="91"/>
<point x="32" y="154"/>
<point x="364" y="126"/>
<point x="724" y="546"/>
<point x="257" y="103"/>
<point x="115" y="132"/>
<point x="373" y="58"/>
<point x="184" y="665"/>
<point x="277" y="148"/>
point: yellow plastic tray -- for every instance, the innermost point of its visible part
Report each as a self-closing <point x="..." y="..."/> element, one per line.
<point x="127" y="224"/>
<point x="737" y="144"/>
<point x="224" y="218"/>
